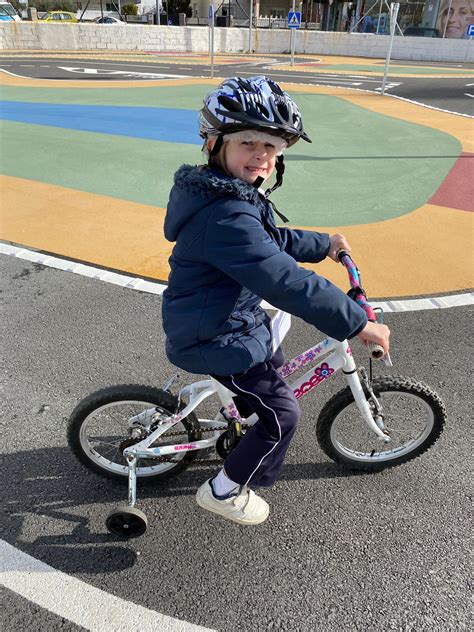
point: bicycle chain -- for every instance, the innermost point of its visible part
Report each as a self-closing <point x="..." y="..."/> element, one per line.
<point x="169" y="459"/>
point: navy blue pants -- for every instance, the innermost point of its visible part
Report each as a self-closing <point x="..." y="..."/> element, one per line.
<point x="258" y="458"/>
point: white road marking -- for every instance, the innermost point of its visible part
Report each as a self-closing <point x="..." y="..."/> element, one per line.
<point x="321" y="80"/>
<point x="154" y="287"/>
<point x="77" y="601"/>
<point x="469" y="95"/>
<point x="123" y="73"/>
<point x="430" y="107"/>
<point x="388" y="86"/>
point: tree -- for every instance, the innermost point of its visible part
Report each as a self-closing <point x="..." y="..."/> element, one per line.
<point x="130" y="9"/>
<point x="173" y="7"/>
<point x="55" y="5"/>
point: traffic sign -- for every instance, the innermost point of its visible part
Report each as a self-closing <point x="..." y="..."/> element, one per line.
<point x="470" y="30"/>
<point x="294" y="19"/>
<point x="210" y="16"/>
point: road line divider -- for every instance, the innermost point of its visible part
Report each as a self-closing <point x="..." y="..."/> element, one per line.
<point x="77" y="601"/>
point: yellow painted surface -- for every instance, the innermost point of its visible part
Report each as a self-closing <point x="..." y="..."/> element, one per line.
<point x="406" y="256"/>
<point x="93" y="228"/>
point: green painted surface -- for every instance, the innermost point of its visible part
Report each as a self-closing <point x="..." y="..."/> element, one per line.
<point x="184" y="97"/>
<point x="361" y="167"/>
<point x="121" y="167"/>
<point x="401" y="70"/>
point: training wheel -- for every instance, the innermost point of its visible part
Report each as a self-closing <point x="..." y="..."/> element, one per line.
<point x="126" y="522"/>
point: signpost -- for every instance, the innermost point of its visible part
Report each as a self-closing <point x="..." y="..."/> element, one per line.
<point x="470" y="35"/>
<point x="250" y="25"/>
<point x="394" y="7"/>
<point x="294" y="22"/>
<point x="211" y="35"/>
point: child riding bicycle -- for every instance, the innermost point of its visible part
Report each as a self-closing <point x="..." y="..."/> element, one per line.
<point x="228" y="256"/>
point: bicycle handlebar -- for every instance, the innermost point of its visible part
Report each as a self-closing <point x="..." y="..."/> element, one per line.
<point x="360" y="297"/>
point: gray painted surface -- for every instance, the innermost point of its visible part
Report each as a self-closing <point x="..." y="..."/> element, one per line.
<point x="385" y="551"/>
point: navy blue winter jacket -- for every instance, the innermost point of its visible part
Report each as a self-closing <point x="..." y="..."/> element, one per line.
<point x="229" y="254"/>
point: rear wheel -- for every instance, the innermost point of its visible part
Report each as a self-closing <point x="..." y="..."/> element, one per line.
<point x="413" y="417"/>
<point x="98" y="431"/>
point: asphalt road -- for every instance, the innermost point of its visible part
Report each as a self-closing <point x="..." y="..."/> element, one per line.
<point x="339" y="551"/>
<point x="451" y="94"/>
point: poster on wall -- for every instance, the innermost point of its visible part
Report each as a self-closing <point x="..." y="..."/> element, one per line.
<point x="454" y="17"/>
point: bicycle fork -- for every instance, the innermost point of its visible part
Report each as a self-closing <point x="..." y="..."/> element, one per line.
<point x="353" y="380"/>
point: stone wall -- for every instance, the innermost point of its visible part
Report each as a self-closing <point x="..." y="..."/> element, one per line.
<point x="93" y="37"/>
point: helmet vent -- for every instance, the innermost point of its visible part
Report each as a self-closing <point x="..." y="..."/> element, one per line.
<point x="263" y="110"/>
<point x="275" y="88"/>
<point x="229" y="104"/>
<point x="283" y="110"/>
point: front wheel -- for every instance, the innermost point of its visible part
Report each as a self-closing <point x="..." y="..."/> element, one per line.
<point x="413" y="417"/>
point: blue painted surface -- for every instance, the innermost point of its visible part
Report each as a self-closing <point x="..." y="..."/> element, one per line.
<point x="164" y="124"/>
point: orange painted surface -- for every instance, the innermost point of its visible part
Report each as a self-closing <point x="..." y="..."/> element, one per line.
<point x="399" y="257"/>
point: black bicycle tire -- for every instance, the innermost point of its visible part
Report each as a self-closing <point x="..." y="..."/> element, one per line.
<point x="124" y="392"/>
<point x="344" y="398"/>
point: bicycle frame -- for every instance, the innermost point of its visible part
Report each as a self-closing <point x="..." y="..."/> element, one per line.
<point x="338" y="355"/>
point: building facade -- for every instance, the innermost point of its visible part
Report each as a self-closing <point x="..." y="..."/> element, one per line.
<point x="438" y="18"/>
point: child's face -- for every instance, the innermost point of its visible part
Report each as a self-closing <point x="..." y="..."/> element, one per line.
<point x="249" y="160"/>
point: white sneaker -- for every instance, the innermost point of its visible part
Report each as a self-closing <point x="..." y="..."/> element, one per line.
<point x="243" y="506"/>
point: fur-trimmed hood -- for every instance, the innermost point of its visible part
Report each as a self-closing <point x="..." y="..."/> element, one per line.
<point x="196" y="187"/>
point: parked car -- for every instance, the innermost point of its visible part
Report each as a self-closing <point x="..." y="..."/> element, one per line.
<point x="422" y="31"/>
<point x="107" y="19"/>
<point x="8" y="13"/>
<point x="59" y="16"/>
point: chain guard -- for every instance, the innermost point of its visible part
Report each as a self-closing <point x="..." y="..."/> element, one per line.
<point x="224" y="446"/>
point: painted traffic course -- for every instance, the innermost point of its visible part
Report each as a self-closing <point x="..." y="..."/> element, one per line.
<point x="97" y="162"/>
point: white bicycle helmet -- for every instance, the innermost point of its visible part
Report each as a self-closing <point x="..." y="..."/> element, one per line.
<point x="256" y="103"/>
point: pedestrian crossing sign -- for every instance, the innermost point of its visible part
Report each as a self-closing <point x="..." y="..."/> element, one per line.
<point x="294" y="19"/>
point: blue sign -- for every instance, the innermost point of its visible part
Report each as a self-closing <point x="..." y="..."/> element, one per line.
<point x="294" y="19"/>
<point x="470" y="30"/>
<point x="210" y="16"/>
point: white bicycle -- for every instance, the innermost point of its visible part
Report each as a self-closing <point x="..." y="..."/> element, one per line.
<point x="131" y="432"/>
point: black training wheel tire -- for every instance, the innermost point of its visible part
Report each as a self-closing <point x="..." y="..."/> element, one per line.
<point x="115" y="396"/>
<point x="411" y="394"/>
<point x="126" y="522"/>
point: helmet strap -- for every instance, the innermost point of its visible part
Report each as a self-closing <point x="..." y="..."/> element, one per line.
<point x="280" y="170"/>
<point x="217" y="146"/>
<point x="258" y="182"/>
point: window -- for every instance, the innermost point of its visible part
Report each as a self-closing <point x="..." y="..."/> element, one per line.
<point x="278" y="13"/>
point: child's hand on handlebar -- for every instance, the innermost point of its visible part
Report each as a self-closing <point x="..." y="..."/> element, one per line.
<point x="337" y="242"/>
<point x="377" y="333"/>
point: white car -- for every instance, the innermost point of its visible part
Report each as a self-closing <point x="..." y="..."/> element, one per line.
<point x="108" y="19"/>
<point x="8" y="13"/>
